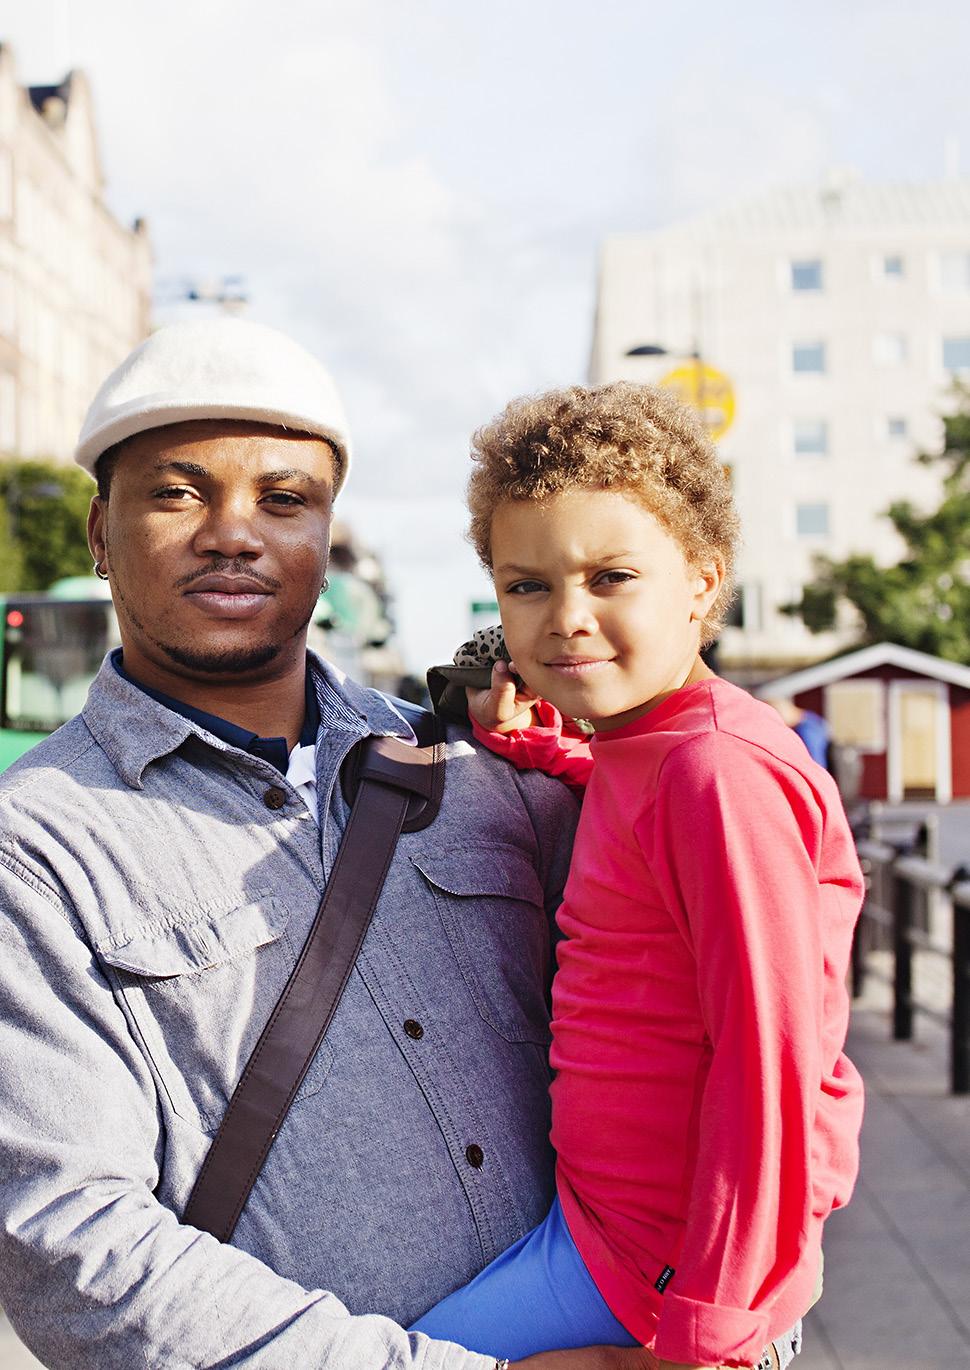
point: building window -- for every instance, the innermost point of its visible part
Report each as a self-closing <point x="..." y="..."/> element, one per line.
<point x="855" y="711"/>
<point x="892" y="268"/>
<point x="956" y="354"/>
<point x="897" y="428"/>
<point x="6" y="184"/>
<point x="746" y="610"/>
<point x="811" y="437"/>
<point x="955" y="272"/>
<point x="808" y="358"/>
<point x="812" y="520"/>
<point x="806" y="275"/>
<point x="890" y="349"/>
<point x="8" y="305"/>
<point x="8" y="413"/>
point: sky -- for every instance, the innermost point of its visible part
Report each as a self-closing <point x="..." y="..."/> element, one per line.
<point x="418" y="191"/>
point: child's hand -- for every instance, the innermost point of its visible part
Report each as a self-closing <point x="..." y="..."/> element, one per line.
<point x="503" y="707"/>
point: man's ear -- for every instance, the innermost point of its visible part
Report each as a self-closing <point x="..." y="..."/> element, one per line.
<point x="96" y="534"/>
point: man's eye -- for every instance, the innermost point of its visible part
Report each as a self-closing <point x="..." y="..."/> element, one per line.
<point x="283" y="498"/>
<point x="175" y="492"/>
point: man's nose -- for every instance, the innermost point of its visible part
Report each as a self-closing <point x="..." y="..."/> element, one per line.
<point x="229" y="529"/>
<point x="571" y="612"/>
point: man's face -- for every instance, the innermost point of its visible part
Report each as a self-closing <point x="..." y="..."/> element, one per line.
<point x="215" y="537"/>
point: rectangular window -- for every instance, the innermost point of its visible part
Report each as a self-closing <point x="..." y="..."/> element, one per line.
<point x="806" y="275"/>
<point x="890" y="349"/>
<point x="855" y="711"/>
<point x="892" y="268"/>
<point x="8" y="413"/>
<point x="812" y="520"/>
<point x="808" y="358"/>
<point x="897" y="428"/>
<point x="811" y="437"/>
<point x="955" y="272"/>
<point x="956" y="354"/>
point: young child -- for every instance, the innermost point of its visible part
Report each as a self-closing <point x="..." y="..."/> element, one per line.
<point x="704" y="1117"/>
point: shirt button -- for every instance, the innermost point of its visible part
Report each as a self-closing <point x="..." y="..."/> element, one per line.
<point x="414" y="1029"/>
<point x="274" y="798"/>
<point x="475" y="1156"/>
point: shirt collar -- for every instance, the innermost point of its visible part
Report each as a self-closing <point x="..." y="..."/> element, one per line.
<point x="271" y="749"/>
<point x="134" y="728"/>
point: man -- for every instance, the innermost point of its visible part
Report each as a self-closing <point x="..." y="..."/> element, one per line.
<point x="161" y="861"/>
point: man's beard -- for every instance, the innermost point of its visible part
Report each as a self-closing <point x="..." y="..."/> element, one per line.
<point x="229" y="661"/>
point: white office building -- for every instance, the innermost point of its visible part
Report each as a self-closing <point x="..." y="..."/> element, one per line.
<point x="840" y="314"/>
<point x="75" y="284"/>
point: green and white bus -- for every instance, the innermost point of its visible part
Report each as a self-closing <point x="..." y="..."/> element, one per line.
<point x="53" y="645"/>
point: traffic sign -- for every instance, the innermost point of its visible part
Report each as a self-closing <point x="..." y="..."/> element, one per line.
<point x="705" y="389"/>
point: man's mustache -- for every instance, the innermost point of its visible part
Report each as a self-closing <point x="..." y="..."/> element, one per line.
<point x="229" y="566"/>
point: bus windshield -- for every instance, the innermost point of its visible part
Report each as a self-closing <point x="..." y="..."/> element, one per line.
<point x="52" y="651"/>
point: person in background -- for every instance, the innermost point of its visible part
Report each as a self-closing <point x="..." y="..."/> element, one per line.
<point x="810" y="727"/>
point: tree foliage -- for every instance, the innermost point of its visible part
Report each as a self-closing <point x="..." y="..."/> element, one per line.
<point x="924" y="600"/>
<point x="42" y="527"/>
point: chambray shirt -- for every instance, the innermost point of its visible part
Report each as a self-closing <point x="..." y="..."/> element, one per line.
<point x="153" y="900"/>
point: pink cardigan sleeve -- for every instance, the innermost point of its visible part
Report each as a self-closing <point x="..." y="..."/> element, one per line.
<point x="734" y="840"/>
<point x="549" y="746"/>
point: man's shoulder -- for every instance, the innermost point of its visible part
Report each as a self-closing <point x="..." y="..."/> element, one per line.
<point x="65" y="755"/>
<point x="485" y="790"/>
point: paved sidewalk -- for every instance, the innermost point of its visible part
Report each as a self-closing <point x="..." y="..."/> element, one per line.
<point x="897" y="1261"/>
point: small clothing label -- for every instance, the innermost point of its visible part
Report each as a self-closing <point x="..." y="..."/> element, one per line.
<point x="666" y="1275"/>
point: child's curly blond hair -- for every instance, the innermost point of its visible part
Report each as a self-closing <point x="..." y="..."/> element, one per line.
<point x="635" y="439"/>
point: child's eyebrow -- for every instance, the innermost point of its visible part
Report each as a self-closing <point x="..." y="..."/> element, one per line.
<point x="508" y="568"/>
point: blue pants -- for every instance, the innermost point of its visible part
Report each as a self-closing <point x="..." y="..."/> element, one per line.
<point x="537" y="1296"/>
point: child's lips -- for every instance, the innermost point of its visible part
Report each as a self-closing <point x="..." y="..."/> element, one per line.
<point x="577" y="666"/>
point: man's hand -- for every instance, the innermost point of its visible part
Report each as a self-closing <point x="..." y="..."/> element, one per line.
<point x="602" y="1358"/>
<point x="592" y="1358"/>
<point x="503" y="707"/>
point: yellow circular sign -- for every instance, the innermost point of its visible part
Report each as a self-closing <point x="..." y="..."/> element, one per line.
<point x="705" y="389"/>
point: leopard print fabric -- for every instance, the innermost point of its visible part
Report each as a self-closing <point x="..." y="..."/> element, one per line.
<point x="485" y="648"/>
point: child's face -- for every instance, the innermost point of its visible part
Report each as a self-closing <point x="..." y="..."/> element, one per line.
<point x="601" y="610"/>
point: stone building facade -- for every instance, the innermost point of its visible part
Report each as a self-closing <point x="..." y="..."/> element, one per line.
<point x="75" y="284"/>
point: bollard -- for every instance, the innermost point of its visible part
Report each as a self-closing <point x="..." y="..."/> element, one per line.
<point x="903" y="905"/>
<point x="857" y="962"/>
<point x="960" y="1015"/>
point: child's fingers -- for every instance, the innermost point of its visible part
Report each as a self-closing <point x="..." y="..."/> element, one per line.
<point x="500" y="708"/>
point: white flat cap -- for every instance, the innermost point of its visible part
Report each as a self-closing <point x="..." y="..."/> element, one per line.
<point x="219" y="368"/>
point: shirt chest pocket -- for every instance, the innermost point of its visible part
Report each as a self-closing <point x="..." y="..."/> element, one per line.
<point x="491" y="904"/>
<point x="198" y="989"/>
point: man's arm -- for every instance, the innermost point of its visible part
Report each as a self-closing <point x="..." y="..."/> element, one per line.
<point x="94" y="1271"/>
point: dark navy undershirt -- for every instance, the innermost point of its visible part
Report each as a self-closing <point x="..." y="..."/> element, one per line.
<point x="271" y="749"/>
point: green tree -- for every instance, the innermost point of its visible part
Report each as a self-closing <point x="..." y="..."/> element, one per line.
<point x="924" y="600"/>
<point x="42" y="536"/>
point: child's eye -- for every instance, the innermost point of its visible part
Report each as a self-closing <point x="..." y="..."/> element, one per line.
<point x="615" y="577"/>
<point x="525" y="587"/>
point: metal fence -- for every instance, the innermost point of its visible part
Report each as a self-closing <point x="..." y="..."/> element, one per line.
<point x="914" y="933"/>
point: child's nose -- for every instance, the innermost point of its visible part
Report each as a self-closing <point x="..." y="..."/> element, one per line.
<point x="571" y="613"/>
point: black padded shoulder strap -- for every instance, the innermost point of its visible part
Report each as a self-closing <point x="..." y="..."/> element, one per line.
<point x="396" y="787"/>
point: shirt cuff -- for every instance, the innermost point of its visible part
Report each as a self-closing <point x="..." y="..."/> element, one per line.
<point x="709" y="1334"/>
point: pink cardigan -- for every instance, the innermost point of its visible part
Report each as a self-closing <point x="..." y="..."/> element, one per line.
<point x="705" y="1119"/>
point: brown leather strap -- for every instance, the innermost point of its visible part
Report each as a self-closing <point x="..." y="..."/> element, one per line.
<point x="397" y="783"/>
